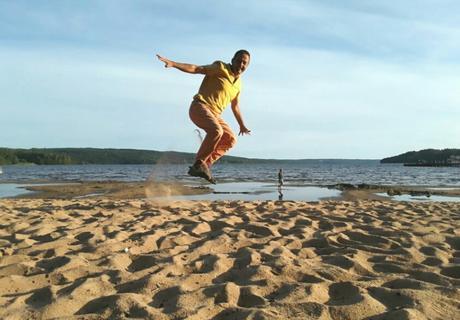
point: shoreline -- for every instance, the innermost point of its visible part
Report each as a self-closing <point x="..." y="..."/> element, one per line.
<point x="148" y="189"/>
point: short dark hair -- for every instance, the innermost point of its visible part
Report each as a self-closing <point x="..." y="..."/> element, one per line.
<point x="242" y="51"/>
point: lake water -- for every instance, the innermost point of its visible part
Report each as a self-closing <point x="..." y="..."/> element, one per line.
<point x="11" y="190"/>
<point x="314" y="173"/>
<point x="263" y="191"/>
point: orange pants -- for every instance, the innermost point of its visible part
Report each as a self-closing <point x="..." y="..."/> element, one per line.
<point x="219" y="137"/>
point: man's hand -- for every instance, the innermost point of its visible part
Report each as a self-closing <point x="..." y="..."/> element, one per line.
<point x="168" y="63"/>
<point x="243" y="131"/>
<point x="184" y="67"/>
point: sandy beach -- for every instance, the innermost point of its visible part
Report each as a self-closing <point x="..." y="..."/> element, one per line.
<point x="103" y="258"/>
<point x="229" y="160"/>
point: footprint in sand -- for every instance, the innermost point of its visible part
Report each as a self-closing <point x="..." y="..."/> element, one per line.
<point x="451" y="271"/>
<point x="405" y="284"/>
<point x="40" y="298"/>
<point x="344" y="293"/>
<point x="167" y="299"/>
<point x="391" y="298"/>
<point x="53" y="263"/>
<point x="142" y="262"/>
<point x="249" y="299"/>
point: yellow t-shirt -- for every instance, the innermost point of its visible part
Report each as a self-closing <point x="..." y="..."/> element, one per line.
<point x="219" y="86"/>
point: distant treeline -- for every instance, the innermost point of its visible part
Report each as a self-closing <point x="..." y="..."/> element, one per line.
<point x="99" y="156"/>
<point x="424" y="156"/>
<point x="131" y="156"/>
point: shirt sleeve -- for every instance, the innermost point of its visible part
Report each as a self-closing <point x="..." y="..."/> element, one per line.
<point x="214" y="69"/>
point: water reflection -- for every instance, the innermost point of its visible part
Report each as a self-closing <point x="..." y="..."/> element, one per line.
<point x="420" y="198"/>
<point x="263" y="191"/>
<point x="12" y="190"/>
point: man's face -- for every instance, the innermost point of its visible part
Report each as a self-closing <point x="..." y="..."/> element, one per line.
<point x="240" y="64"/>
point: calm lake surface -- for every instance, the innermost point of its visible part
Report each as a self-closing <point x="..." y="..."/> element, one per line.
<point x="312" y="173"/>
<point x="305" y="180"/>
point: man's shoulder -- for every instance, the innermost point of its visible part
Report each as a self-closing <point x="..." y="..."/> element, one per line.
<point x="217" y="68"/>
<point x="219" y="64"/>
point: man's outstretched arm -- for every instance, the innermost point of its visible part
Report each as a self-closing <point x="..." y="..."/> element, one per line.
<point x="185" y="67"/>
<point x="237" y="113"/>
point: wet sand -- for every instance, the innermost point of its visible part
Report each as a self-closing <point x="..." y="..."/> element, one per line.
<point x="149" y="189"/>
<point x="111" y="190"/>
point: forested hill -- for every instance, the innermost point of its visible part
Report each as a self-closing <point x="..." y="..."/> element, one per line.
<point x="99" y="156"/>
<point x="424" y="156"/>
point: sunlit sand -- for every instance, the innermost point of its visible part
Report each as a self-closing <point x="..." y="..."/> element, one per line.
<point x="93" y="258"/>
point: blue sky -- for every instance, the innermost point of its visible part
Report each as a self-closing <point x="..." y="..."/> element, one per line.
<point x="327" y="79"/>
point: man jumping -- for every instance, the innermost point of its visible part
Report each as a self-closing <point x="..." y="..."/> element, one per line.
<point x="221" y="86"/>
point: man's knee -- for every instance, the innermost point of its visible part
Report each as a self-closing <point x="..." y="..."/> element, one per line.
<point x="217" y="132"/>
<point x="232" y="141"/>
<point x="228" y="140"/>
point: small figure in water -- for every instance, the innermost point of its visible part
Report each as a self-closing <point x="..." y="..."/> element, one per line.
<point x="280" y="178"/>
<point x="280" y="184"/>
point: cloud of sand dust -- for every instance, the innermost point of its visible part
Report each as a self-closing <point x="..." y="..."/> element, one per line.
<point x="159" y="187"/>
<point x="160" y="194"/>
<point x="158" y="191"/>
